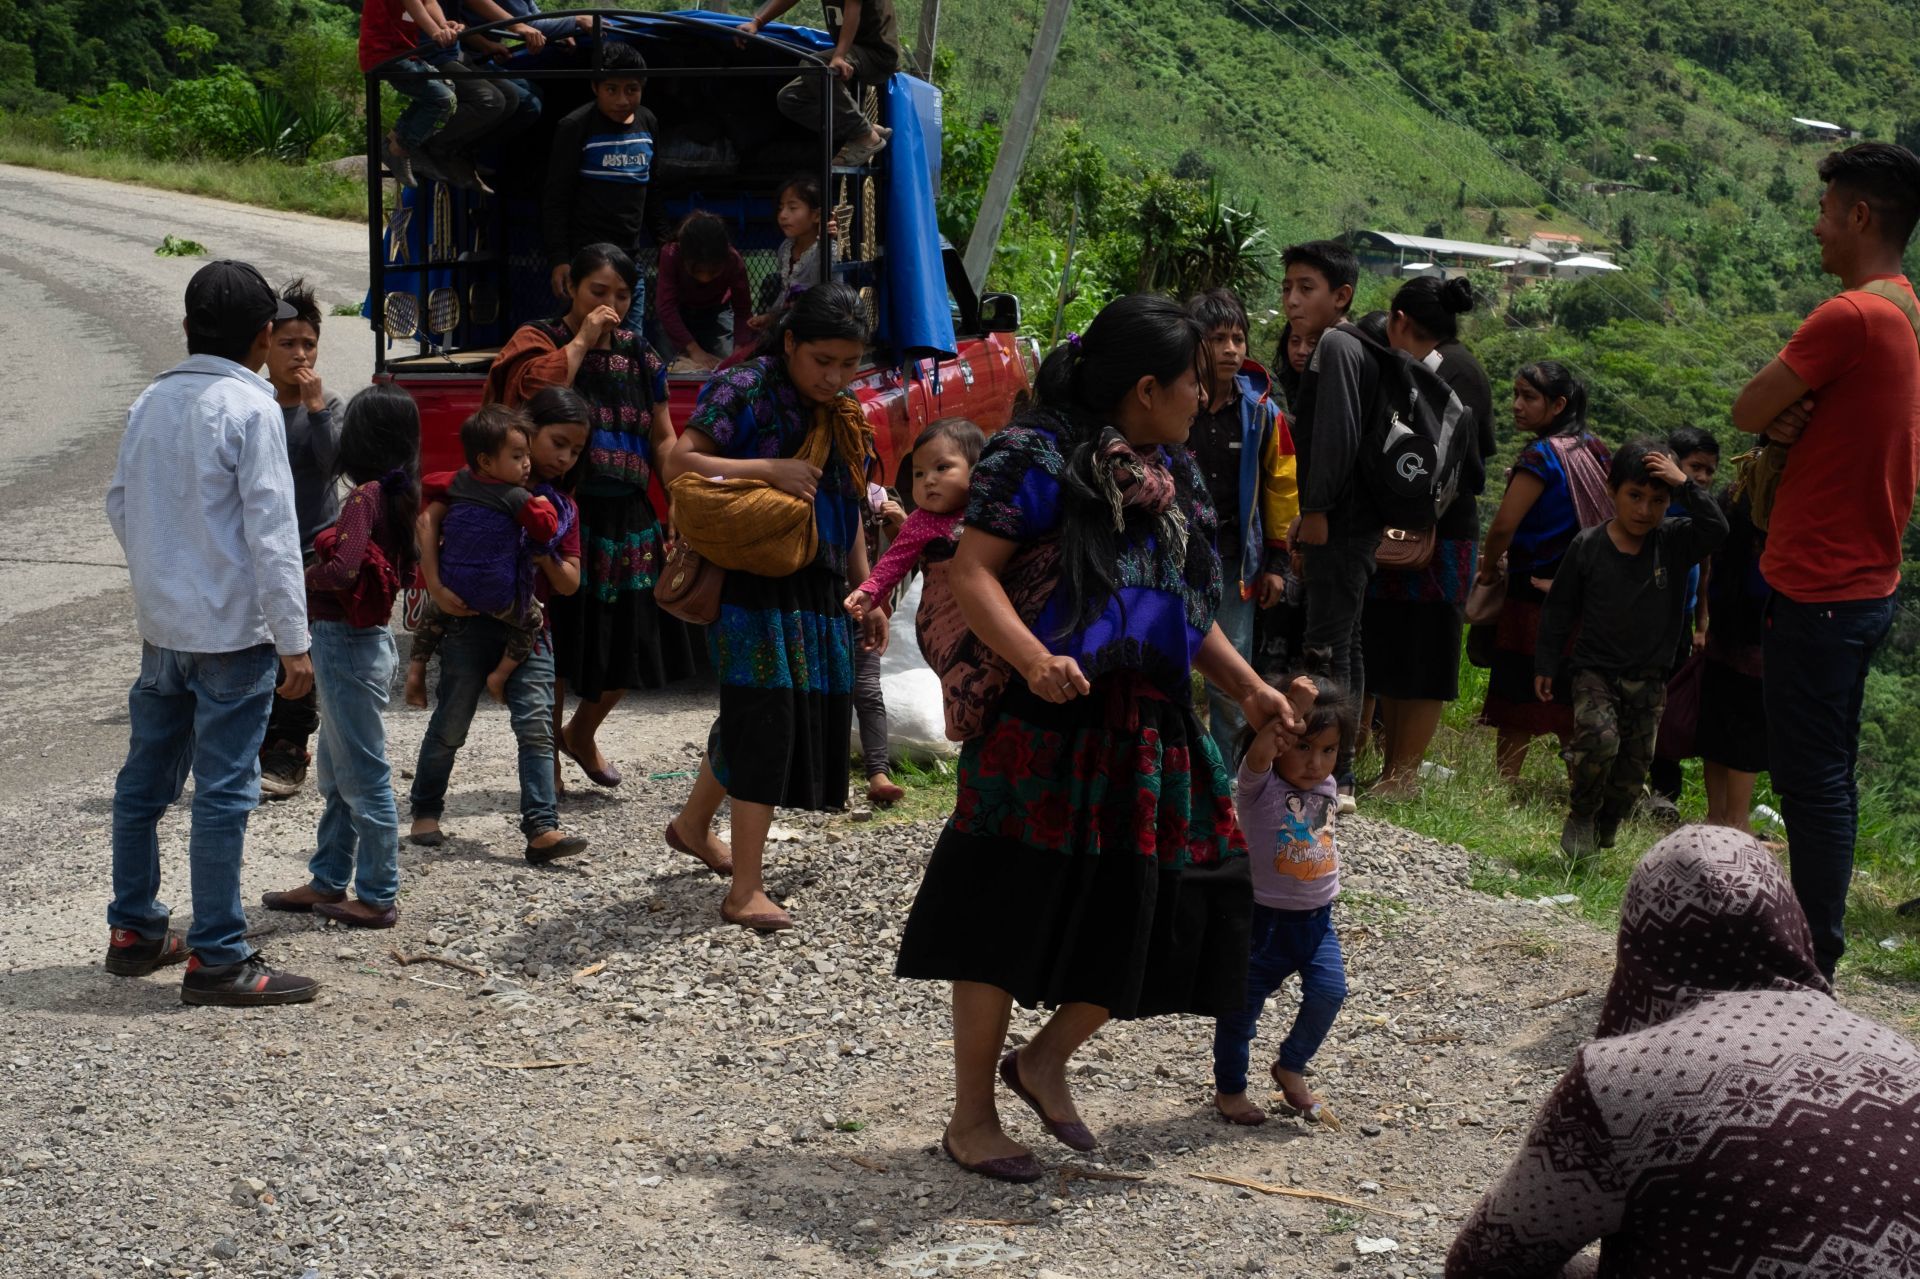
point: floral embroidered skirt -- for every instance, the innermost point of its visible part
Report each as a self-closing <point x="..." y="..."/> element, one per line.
<point x="1092" y="857"/>
<point x="610" y="634"/>
<point x="783" y="652"/>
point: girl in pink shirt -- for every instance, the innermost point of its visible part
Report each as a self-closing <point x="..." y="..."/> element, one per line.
<point x="942" y="468"/>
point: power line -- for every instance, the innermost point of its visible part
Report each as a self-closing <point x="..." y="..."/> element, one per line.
<point x="1509" y="161"/>
<point x="1590" y="375"/>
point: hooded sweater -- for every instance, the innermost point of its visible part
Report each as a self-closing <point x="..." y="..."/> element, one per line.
<point x="1729" y="1118"/>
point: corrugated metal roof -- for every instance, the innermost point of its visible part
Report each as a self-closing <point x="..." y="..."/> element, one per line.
<point x="1591" y="263"/>
<point x="1818" y="124"/>
<point x="1456" y="248"/>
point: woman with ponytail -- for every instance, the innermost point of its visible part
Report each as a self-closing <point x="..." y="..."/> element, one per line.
<point x="1092" y="862"/>
<point x="1557" y="487"/>
<point x="359" y="563"/>
<point x="1414" y="618"/>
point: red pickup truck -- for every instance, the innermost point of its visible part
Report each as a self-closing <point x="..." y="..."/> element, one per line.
<point x="454" y="272"/>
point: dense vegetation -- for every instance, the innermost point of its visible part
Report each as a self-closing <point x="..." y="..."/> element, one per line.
<point x="1185" y="141"/>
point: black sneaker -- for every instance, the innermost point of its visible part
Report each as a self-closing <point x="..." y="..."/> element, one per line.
<point x="283" y="770"/>
<point x="131" y="955"/>
<point x="247" y="984"/>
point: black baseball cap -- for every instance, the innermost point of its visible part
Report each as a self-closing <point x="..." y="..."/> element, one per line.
<point x="227" y="299"/>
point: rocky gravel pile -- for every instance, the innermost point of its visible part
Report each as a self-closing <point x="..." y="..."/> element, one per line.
<point x="582" y="1072"/>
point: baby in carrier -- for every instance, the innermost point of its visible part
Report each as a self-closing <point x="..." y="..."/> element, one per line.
<point x="492" y="529"/>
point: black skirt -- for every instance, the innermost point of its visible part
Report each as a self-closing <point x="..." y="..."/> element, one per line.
<point x="1092" y="858"/>
<point x="610" y="635"/>
<point x="783" y="651"/>
<point x="1733" y="719"/>
<point x="1413" y="649"/>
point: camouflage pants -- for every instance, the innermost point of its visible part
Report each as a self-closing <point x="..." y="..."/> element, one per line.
<point x="1615" y="719"/>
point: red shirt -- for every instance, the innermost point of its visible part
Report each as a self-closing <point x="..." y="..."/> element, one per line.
<point x="1847" y="490"/>
<point x="386" y="31"/>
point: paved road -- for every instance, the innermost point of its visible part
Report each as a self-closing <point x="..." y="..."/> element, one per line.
<point x="88" y="314"/>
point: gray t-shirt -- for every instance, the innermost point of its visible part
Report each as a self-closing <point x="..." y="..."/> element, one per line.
<point x="313" y="442"/>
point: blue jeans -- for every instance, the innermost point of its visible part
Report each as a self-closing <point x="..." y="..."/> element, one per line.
<point x="525" y="106"/>
<point x="205" y="713"/>
<point x="1224" y="719"/>
<point x="468" y="655"/>
<point x="1817" y="657"/>
<point x="430" y="104"/>
<point x="1284" y="942"/>
<point x="359" y="826"/>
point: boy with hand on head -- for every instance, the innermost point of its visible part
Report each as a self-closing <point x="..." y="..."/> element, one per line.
<point x="202" y="504"/>
<point x="312" y="415"/>
<point x="1623" y="584"/>
<point x="866" y="50"/>
<point x="1698" y="454"/>
<point x="600" y="163"/>
<point x="1338" y="531"/>
<point x="1245" y="450"/>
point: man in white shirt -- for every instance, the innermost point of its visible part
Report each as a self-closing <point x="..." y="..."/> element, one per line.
<point x="202" y="502"/>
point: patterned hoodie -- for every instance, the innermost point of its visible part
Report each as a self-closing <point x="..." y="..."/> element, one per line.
<point x="1729" y="1118"/>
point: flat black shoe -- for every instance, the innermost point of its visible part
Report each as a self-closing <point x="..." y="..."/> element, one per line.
<point x="565" y="846"/>
<point x="247" y="984"/>
<point x="131" y="955"/>
<point x="1021" y="1170"/>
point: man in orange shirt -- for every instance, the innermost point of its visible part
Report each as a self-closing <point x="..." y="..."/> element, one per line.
<point x="1845" y="395"/>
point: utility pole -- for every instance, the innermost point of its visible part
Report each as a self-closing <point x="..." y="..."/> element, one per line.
<point x="929" y="32"/>
<point x="1014" y="143"/>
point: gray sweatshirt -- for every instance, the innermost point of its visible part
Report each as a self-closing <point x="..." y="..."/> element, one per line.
<point x="313" y="442"/>
<point x="1344" y="382"/>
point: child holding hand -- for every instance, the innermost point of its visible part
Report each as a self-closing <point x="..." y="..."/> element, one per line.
<point x="488" y="537"/>
<point x="1285" y="799"/>
<point x="942" y="468"/>
<point x="1624" y="583"/>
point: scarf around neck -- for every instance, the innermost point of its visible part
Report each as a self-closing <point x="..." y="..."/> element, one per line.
<point x="1127" y="477"/>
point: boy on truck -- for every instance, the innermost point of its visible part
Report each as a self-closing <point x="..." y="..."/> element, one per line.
<point x="600" y="165"/>
<point x="866" y="50"/>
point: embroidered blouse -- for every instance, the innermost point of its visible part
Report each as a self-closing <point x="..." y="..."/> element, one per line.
<point x="1161" y="609"/>
<point x="621" y="384"/>
<point x="754" y="411"/>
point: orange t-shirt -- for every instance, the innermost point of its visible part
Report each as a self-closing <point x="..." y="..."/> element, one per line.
<point x="1847" y="490"/>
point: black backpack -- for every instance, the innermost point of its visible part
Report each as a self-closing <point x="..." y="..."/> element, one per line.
<point x="1414" y="441"/>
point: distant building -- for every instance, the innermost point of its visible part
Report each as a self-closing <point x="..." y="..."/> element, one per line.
<point x="1826" y="129"/>
<point x="1555" y="244"/>
<point x="1391" y="253"/>
<point x="1582" y="265"/>
<point x="1609" y="187"/>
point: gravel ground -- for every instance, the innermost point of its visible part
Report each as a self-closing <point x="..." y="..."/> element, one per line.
<point x="728" y="1104"/>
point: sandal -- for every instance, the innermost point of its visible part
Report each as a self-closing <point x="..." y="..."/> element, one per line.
<point x="1073" y="1135"/>
<point x="763" y="922"/>
<point x="1018" y="1169"/>
<point x="1314" y="1112"/>
<point x="608" y="777"/>
<point x="678" y="845"/>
